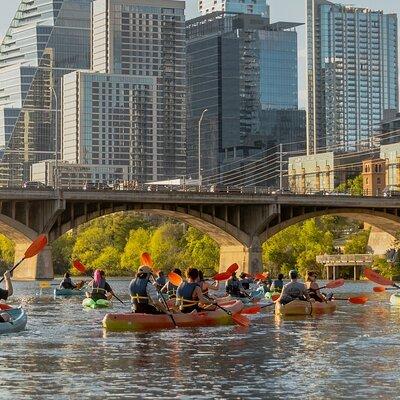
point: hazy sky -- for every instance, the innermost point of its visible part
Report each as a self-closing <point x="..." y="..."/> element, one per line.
<point x="281" y="10"/>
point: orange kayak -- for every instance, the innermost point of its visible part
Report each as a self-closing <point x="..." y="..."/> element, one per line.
<point x="299" y="307"/>
<point x="136" y="322"/>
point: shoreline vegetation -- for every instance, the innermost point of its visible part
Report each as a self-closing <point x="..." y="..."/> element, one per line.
<point x="114" y="243"/>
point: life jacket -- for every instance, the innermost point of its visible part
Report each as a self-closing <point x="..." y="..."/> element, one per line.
<point x="233" y="287"/>
<point x="138" y="291"/>
<point x="99" y="288"/>
<point x="277" y="285"/>
<point x="67" y="284"/>
<point x="245" y="283"/>
<point x="184" y="295"/>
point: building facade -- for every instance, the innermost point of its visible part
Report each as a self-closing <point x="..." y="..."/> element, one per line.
<point x="238" y="66"/>
<point x="374" y="177"/>
<point x="259" y="7"/>
<point x="352" y="74"/>
<point x="46" y="39"/>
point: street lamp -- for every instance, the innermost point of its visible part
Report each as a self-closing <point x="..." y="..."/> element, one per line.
<point x="56" y="144"/>
<point x="199" y="155"/>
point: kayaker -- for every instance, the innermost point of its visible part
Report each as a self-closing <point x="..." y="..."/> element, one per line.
<point x="189" y="296"/>
<point x="99" y="287"/>
<point x="245" y="281"/>
<point x="205" y="286"/>
<point x="67" y="283"/>
<point x="169" y="288"/>
<point x="277" y="284"/>
<point x="5" y="294"/>
<point x="160" y="281"/>
<point x="312" y="286"/>
<point x="234" y="287"/>
<point x="293" y="290"/>
<point x="144" y="295"/>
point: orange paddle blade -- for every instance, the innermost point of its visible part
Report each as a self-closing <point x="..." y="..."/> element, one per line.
<point x="335" y="284"/>
<point x="275" y="297"/>
<point x="79" y="266"/>
<point x="145" y="259"/>
<point x="375" y="277"/>
<point x="223" y="276"/>
<point x="260" y="277"/>
<point x="174" y="278"/>
<point x="251" y="310"/>
<point x="233" y="268"/>
<point x="241" y="320"/>
<point x="379" y="289"/>
<point x="358" y="300"/>
<point x="36" y="247"/>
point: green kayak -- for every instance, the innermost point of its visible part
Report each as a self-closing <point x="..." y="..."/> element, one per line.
<point x="100" y="303"/>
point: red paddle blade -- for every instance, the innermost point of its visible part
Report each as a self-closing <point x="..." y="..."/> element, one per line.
<point x="233" y="268"/>
<point x="36" y="247"/>
<point x="174" y="278"/>
<point x="260" y="277"/>
<point x="375" y="277"/>
<point x="275" y="297"/>
<point x="145" y="259"/>
<point x="79" y="266"/>
<point x="358" y="300"/>
<point x="379" y="289"/>
<point x="223" y="276"/>
<point x="335" y="284"/>
<point x="4" y="306"/>
<point x="241" y="320"/>
<point x="251" y="310"/>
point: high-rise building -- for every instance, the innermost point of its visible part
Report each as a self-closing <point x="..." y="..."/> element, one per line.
<point x="46" y="39"/>
<point x="352" y="75"/>
<point x="259" y="7"/>
<point x="238" y="66"/>
<point x="131" y="110"/>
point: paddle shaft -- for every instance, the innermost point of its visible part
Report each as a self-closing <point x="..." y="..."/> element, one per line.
<point x="12" y="269"/>
<point x="166" y="305"/>
<point x="222" y="308"/>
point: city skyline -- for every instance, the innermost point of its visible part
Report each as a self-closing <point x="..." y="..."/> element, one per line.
<point x="294" y="10"/>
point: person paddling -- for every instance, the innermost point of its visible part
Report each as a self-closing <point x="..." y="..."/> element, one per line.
<point x="99" y="287"/>
<point x="312" y="286"/>
<point x="234" y="287"/>
<point x="169" y="288"/>
<point x="189" y="296"/>
<point x="293" y="290"/>
<point x="5" y="294"/>
<point x="160" y="281"/>
<point x="277" y="284"/>
<point x="245" y="281"/>
<point x="67" y="282"/>
<point x="144" y="295"/>
<point x="205" y="286"/>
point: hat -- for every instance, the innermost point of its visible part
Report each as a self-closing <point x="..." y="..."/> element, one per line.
<point x="144" y="269"/>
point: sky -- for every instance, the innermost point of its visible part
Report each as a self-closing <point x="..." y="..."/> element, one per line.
<point x="281" y="10"/>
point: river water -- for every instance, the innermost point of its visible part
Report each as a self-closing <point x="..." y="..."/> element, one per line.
<point x="65" y="354"/>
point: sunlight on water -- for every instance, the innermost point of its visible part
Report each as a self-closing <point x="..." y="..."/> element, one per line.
<point x="64" y="353"/>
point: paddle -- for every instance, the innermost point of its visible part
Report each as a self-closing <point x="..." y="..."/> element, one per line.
<point x="176" y="280"/>
<point x="380" y="289"/>
<point x="232" y="268"/>
<point x="379" y="279"/>
<point x="146" y="259"/>
<point x="46" y="284"/>
<point x="82" y="269"/>
<point x="353" y="300"/>
<point x="333" y="284"/>
<point x="256" y="309"/>
<point x="35" y="248"/>
<point x="223" y="276"/>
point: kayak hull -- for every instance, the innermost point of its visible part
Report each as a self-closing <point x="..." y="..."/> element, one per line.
<point x="18" y="321"/>
<point x="68" y="292"/>
<point x="101" y="303"/>
<point x="298" y="307"/>
<point x="395" y="299"/>
<point x="136" y="322"/>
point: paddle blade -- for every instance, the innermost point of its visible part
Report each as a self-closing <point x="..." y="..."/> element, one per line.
<point x="174" y="278"/>
<point x="251" y="310"/>
<point x="379" y="289"/>
<point x="275" y="297"/>
<point x="79" y="266"/>
<point x="241" y="320"/>
<point x="260" y="277"/>
<point x="375" y="277"/>
<point x="36" y="247"/>
<point x="44" y="285"/>
<point x="335" y="284"/>
<point x="145" y="259"/>
<point x="233" y="268"/>
<point x="223" y="276"/>
<point x="358" y="300"/>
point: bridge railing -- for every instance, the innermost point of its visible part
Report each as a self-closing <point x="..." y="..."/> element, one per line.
<point x="345" y="259"/>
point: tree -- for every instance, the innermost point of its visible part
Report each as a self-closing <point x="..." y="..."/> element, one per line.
<point x="354" y="186"/>
<point x="6" y="253"/>
<point x="62" y="252"/>
<point x="357" y="243"/>
<point x="138" y="242"/>
<point x="109" y="261"/>
<point x="385" y="268"/>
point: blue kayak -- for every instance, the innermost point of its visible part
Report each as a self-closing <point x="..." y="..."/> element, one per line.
<point x="17" y="323"/>
<point x="68" y="292"/>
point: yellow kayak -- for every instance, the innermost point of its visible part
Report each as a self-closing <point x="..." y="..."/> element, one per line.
<point x="299" y="307"/>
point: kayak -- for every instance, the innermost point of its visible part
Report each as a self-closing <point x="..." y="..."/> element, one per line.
<point x="68" y="292"/>
<point x="100" y="303"/>
<point x="299" y="307"/>
<point x="143" y="322"/>
<point x="395" y="299"/>
<point x="18" y="321"/>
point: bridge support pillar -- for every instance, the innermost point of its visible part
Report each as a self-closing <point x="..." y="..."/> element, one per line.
<point x="39" y="267"/>
<point x="249" y="259"/>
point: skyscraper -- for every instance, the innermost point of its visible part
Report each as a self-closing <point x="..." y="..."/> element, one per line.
<point x="352" y="74"/>
<point x="258" y="7"/>
<point x="46" y="39"/>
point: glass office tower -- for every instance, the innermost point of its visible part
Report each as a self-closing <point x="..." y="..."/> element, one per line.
<point x="258" y="7"/>
<point x="46" y="39"/>
<point x="352" y="75"/>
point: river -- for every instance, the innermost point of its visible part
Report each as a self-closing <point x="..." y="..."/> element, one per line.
<point x="65" y="354"/>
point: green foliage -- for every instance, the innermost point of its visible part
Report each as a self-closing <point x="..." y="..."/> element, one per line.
<point x="6" y="253"/>
<point x="387" y="269"/>
<point x="357" y="243"/>
<point x="109" y="261"/>
<point x="138" y="242"/>
<point x="354" y="186"/>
